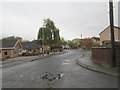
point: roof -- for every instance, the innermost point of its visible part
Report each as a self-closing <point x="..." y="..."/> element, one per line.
<point x="7" y="43"/>
<point x="95" y="37"/>
<point x="108" y="27"/>
<point x="29" y="45"/>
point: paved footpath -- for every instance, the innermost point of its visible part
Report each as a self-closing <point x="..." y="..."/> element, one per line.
<point x="87" y="62"/>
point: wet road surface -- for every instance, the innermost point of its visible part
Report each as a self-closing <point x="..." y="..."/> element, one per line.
<point x="58" y="71"/>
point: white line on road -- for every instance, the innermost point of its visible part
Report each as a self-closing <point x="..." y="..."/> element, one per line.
<point x="66" y="64"/>
<point x="67" y="60"/>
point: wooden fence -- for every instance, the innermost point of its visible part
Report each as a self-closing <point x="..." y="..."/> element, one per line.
<point x="102" y="55"/>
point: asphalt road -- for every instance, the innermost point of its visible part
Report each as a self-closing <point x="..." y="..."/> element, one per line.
<point x="57" y="71"/>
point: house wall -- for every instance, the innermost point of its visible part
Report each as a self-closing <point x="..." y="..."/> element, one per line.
<point x="33" y="51"/>
<point x="0" y="54"/>
<point x="106" y="35"/>
<point x="119" y="35"/>
<point x="17" y="50"/>
<point x="46" y="49"/>
<point x="10" y="53"/>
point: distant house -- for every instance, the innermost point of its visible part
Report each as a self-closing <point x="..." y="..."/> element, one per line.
<point x="10" y="48"/>
<point x="31" y="48"/>
<point x="95" y="39"/>
<point x="105" y="35"/>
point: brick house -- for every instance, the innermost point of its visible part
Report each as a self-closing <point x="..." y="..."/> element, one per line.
<point x="95" y="39"/>
<point x="10" y="48"/>
<point x="105" y="35"/>
<point x="31" y="48"/>
<point x="102" y="55"/>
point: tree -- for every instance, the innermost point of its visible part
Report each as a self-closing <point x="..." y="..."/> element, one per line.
<point x="12" y="38"/>
<point x="48" y="23"/>
<point x="49" y="34"/>
<point x="63" y="42"/>
<point x="96" y="44"/>
<point x="71" y="44"/>
<point x="87" y="42"/>
<point x="46" y="35"/>
<point x="76" y="42"/>
<point x="25" y="41"/>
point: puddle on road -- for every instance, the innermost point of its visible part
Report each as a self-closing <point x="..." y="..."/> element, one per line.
<point x="51" y="78"/>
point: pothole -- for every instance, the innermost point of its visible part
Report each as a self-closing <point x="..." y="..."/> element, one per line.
<point x="52" y="78"/>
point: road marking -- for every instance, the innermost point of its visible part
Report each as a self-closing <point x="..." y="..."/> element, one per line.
<point x="76" y="68"/>
<point x="67" y="60"/>
<point x="66" y="64"/>
<point x="61" y="75"/>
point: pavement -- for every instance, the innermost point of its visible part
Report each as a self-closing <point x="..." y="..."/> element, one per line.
<point x="86" y="61"/>
<point x="23" y="59"/>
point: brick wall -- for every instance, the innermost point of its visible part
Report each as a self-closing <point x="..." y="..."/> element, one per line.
<point x="11" y="52"/>
<point x="7" y="53"/>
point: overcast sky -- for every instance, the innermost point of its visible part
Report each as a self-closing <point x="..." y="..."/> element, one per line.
<point x="72" y="18"/>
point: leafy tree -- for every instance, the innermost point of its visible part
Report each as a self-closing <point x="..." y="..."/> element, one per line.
<point x="96" y="44"/>
<point x="76" y="42"/>
<point x="63" y="42"/>
<point x="12" y="38"/>
<point x="48" y="23"/>
<point x="71" y="44"/>
<point x="49" y="33"/>
<point x="46" y="35"/>
<point x="25" y="41"/>
<point x="87" y="42"/>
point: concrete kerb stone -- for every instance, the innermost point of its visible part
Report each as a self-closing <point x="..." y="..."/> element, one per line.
<point x="95" y="70"/>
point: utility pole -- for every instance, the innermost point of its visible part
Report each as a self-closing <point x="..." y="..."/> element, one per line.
<point x="43" y="41"/>
<point x="81" y="41"/>
<point x="112" y="33"/>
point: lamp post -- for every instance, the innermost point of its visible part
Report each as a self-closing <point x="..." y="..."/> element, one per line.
<point x="112" y="33"/>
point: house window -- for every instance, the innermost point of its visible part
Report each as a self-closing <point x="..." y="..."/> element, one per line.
<point x="20" y="51"/>
<point x="5" y="53"/>
<point x="34" y="51"/>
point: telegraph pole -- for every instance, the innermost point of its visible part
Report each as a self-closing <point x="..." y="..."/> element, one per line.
<point x="81" y="41"/>
<point x="112" y="33"/>
<point x="43" y="40"/>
